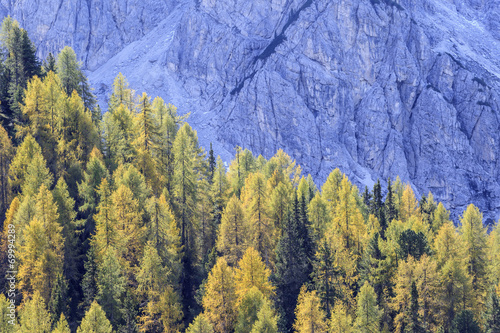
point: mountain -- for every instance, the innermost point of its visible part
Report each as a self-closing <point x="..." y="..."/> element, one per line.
<point x="378" y="88"/>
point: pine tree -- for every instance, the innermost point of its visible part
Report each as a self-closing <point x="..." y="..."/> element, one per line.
<point x="200" y="325"/>
<point x="62" y="325"/>
<point x="151" y="276"/>
<point x="248" y="308"/>
<point x="267" y="322"/>
<point x="19" y="66"/>
<point x="427" y="282"/>
<point x="167" y="123"/>
<point x="35" y="112"/>
<point x="412" y="243"/>
<point x="319" y="216"/>
<point x="475" y="245"/>
<point x="49" y="64"/>
<point x="68" y="70"/>
<point x="151" y="280"/>
<point x="31" y="64"/>
<point x="220" y="298"/>
<point x="220" y="189"/>
<point x="6" y="154"/>
<point x="164" y="234"/>
<point x="401" y="302"/>
<point x="494" y="255"/>
<point x="261" y="230"/>
<point x="88" y="98"/>
<point x="408" y="205"/>
<point x="454" y="280"/>
<point x="170" y="310"/>
<point x="440" y="217"/>
<point x="111" y="285"/>
<point x="347" y="219"/>
<point x="58" y="303"/>
<point x="492" y="313"/>
<point x="251" y="272"/>
<point x="377" y="207"/>
<point x="88" y="189"/>
<point x="37" y="174"/>
<point x="119" y="134"/>
<point x="415" y="324"/>
<point x="129" y="312"/>
<point x="122" y="94"/>
<point x="185" y="183"/>
<point x="78" y="135"/>
<point x="211" y="164"/>
<point x="236" y="173"/>
<point x="145" y="142"/>
<point x="67" y="219"/>
<point x="310" y="317"/>
<point x="340" y="320"/>
<point x="26" y="153"/>
<point x="129" y="176"/>
<point x="7" y="314"/>
<point x="368" y="314"/>
<point x="390" y="206"/>
<point x="95" y="321"/>
<point x="232" y="232"/>
<point x="188" y="166"/>
<point x="26" y="211"/>
<point x="331" y="187"/>
<point x="465" y="323"/>
<point x="34" y="316"/>
<point x="42" y="253"/>
<point x="279" y="203"/>
<point x="293" y="268"/>
<point x="89" y="280"/>
<point x="427" y="207"/>
<point x="206" y="227"/>
<point x="324" y="274"/>
<point x="130" y="233"/>
<point x="106" y="224"/>
<point x="367" y="197"/>
<point x="378" y="269"/>
<point x="4" y="239"/>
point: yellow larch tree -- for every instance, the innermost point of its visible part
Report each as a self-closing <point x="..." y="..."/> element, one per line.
<point x="219" y="301"/>
<point x="252" y="272"/>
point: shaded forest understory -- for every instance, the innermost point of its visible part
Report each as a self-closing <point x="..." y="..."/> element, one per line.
<point x="122" y="222"/>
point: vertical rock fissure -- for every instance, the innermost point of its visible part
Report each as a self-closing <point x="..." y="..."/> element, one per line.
<point x="271" y="47"/>
<point x="89" y="8"/>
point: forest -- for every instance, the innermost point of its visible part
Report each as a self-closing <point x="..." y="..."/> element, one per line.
<point x="122" y="222"/>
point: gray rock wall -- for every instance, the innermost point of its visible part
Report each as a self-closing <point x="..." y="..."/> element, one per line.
<point x="378" y="88"/>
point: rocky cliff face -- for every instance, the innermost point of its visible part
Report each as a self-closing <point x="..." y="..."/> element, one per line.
<point x="378" y="88"/>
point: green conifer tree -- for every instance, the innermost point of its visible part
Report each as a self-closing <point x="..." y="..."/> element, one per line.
<point x="111" y="285"/>
<point x="220" y="298"/>
<point x="293" y="268"/>
<point x="200" y="325"/>
<point x="6" y="155"/>
<point x="95" y="321"/>
<point x="310" y="317"/>
<point x="267" y="322"/>
<point x="368" y="314"/>
<point x="62" y="325"/>
<point x="7" y="314"/>
<point x="248" y="309"/>
<point x="474" y="240"/>
<point x="231" y="241"/>
<point x="34" y="316"/>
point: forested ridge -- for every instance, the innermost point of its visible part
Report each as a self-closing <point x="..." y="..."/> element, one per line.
<point x="124" y="223"/>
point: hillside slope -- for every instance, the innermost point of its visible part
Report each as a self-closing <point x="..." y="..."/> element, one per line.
<point x="378" y="88"/>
